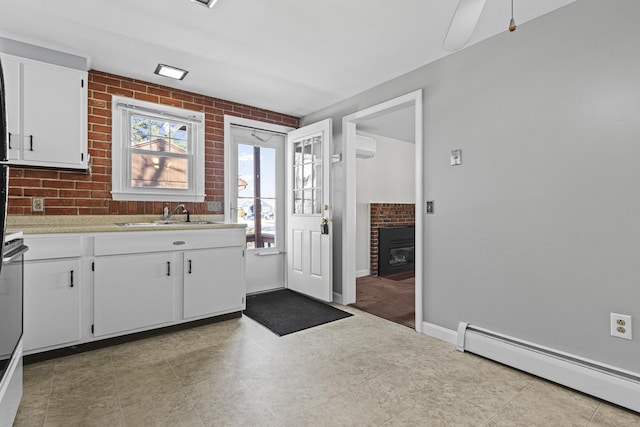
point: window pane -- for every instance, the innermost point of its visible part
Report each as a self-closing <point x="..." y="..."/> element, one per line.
<point x="317" y="203"/>
<point x="297" y="152"/>
<point x="179" y="146"/>
<point x="317" y="175"/>
<point x="245" y="171"/>
<point x="297" y="203"/>
<point x="139" y="129"/>
<point x="267" y="172"/>
<point x="157" y="135"/>
<point x="316" y="149"/>
<point x="308" y="204"/>
<point x="268" y="222"/>
<point x="308" y="155"/>
<point x="298" y="179"/>
<point x="308" y="176"/>
<point x="157" y="171"/>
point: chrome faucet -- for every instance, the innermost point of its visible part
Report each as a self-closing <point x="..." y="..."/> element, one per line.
<point x="166" y="214"/>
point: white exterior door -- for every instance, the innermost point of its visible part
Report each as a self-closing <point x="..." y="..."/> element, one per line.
<point x="255" y="174"/>
<point x="309" y="269"/>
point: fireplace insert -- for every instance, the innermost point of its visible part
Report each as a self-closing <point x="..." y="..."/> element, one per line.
<point x="396" y="249"/>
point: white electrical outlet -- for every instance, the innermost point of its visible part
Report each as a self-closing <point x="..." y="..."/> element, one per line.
<point x="215" y="206"/>
<point x="37" y="204"/>
<point x="621" y="326"/>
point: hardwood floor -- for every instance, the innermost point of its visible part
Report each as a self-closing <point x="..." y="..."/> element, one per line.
<point x="393" y="300"/>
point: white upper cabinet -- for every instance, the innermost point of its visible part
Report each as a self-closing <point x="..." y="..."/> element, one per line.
<point x="46" y="113"/>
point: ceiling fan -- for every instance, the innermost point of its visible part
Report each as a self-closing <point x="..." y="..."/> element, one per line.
<point x="464" y="23"/>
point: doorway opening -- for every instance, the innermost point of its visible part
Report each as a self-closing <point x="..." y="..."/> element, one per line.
<point x="392" y="111"/>
<point x="385" y="228"/>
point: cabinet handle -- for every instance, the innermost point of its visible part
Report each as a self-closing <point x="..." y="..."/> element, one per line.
<point x="189" y="266"/>
<point x="72" y="278"/>
<point x="168" y="268"/>
<point x="30" y="142"/>
<point x="9" y="140"/>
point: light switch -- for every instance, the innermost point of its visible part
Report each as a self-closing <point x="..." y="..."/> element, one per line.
<point x="430" y="207"/>
<point x="456" y="157"/>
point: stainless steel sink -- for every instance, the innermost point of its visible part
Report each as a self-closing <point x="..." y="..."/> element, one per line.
<point x="161" y="223"/>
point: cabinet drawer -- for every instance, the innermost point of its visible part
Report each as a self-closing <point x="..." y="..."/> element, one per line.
<point x="52" y="247"/>
<point x="163" y="241"/>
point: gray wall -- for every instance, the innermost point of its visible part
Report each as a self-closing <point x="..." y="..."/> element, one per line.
<point x="537" y="233"/>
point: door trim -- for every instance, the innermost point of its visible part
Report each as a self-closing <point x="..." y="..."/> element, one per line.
<point x="349" y="196"/>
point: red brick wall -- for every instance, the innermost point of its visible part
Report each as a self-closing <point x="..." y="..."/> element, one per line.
<point x="388" y="215"/>
<point x="68" y="192"/>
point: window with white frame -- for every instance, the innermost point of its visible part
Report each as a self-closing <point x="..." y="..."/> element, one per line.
<point x="157" y="152"/>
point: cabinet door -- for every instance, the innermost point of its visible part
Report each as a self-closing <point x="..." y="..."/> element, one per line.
<point x="51" y="303"/>
<point x="213" y="281"/>
<point x="12" y="82"/>
<point x="132" y="292"/>
<point x="54" y="115"/>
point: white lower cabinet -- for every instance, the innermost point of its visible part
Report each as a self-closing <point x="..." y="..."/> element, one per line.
<point x="51" y="303"/>
<point x="211" y="281"/>
<point x="52" y="293"/>
<point x="86" y="287"/>
<point x="132" y="292"/>
<point x="146" y="280"/>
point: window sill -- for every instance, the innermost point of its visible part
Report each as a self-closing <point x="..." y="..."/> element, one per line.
<point x="159" y="196"/>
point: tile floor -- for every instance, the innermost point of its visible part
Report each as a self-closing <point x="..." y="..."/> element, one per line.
<point x="359" y="371"/>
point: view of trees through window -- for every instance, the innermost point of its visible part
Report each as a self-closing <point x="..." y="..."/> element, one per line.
<point x="159" y="152"/>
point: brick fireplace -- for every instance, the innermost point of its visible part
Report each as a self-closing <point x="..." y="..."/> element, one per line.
<point x="387" y="215"/>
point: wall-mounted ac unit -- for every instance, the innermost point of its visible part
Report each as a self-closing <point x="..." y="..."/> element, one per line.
<point x="365" y="147"/>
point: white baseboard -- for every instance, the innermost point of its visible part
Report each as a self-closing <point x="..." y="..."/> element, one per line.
<point x="363" y="273"/>
<point x="439" y="332"/>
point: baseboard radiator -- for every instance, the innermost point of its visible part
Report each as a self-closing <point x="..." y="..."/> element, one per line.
<point x="605" y="382"/>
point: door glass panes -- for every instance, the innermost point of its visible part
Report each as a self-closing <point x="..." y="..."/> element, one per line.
<point x="159" y="152"/>
<point x="307" y="176"/>
<point x="256" y="204"/>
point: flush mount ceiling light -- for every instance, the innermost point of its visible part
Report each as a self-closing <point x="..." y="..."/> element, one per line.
<point x="169" y="71"/>
<point x="208" y="3"/>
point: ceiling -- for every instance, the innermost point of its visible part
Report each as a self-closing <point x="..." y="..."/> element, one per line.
<point x="290" y="56"/>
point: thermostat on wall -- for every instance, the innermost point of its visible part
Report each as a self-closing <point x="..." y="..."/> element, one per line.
<point x="456" y="157"/>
